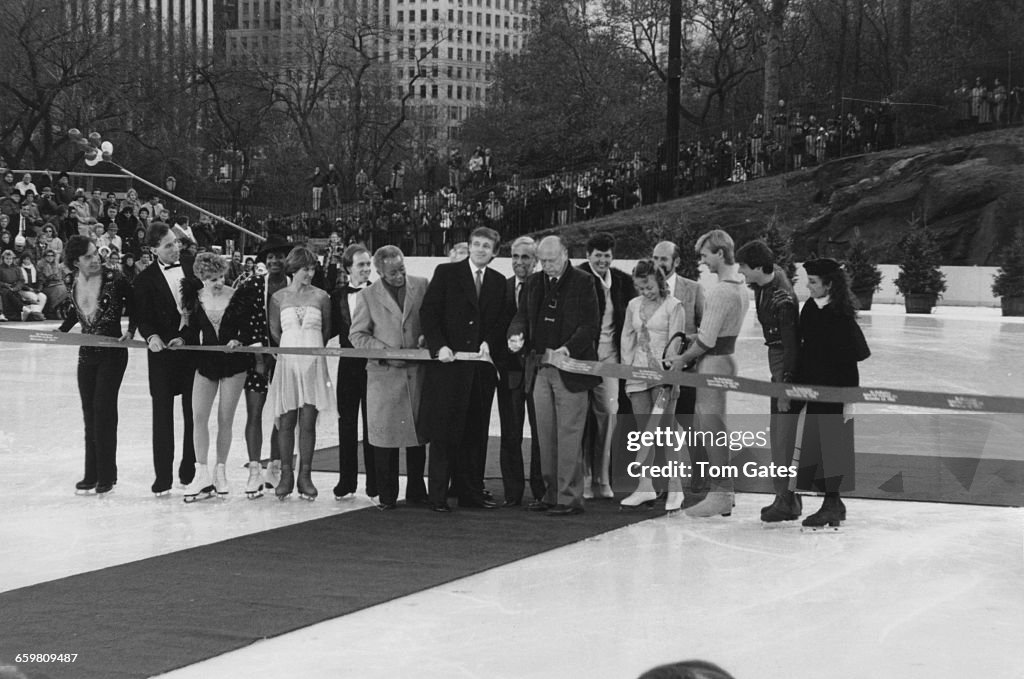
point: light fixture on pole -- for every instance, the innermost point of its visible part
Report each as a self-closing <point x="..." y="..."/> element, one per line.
<point x="171" y="183"/>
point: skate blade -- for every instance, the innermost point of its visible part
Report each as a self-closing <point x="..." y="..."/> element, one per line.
<point x="282" y="498"/>
<point x="642" y="507"/>
<point x="85" y="492"/>
<point x="253" y="494"/>
<point x="821" y="529"/>
<point x="307" y="498"/>
<point x="203" y="495"/>
<point x="162" y="493"/>
<point x="106" y="494"/>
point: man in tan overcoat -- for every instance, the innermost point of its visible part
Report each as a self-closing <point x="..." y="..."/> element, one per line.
<point x="388" y="317"/>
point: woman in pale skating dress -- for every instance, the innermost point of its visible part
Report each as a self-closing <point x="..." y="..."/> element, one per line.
<point x="300" y="316"/>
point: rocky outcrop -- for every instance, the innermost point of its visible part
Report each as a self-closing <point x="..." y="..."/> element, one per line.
<point x="970" y="192"/>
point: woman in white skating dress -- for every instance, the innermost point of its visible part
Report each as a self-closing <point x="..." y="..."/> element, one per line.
<point x="300" y="316"/>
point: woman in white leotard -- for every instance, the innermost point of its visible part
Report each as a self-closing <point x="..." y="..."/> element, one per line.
<point x="300" y="316"/>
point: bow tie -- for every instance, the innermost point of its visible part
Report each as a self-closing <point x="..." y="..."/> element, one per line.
<point x="351" y="290"/>
<point x="170" y="266"/>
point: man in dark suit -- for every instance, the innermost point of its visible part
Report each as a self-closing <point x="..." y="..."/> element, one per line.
<point x="614" y="289"/>
<point x="464" y="310"/>
<point x="514" y="403"/>
<point x="351" y="383"/>
<point x="158" y="306"/>
<point x="559" y="313"/>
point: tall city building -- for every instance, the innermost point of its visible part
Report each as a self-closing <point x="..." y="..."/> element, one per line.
<point x="439" y="54"/>
<point x="198" y="26"/>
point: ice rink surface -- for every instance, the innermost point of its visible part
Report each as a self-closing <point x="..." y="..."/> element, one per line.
<point x="905" y="590"/>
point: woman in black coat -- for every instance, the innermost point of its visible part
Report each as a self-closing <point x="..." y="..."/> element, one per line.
<point x="831" y="345"/>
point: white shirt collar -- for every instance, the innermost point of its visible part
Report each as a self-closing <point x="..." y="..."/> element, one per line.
<point x="822" y="302"/>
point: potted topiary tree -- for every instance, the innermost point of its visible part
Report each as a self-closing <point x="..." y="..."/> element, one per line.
<point x="921" y="282"/>
<point x="1008" y="283"/>
<point x="865" y="277"/>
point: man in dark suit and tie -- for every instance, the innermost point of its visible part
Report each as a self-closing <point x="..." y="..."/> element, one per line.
<point x="559" y="313"/>
<point x="464" y="310"/>
<point x="357" y="264"/>
<point x="158" y="307"/>
<point x="514" y="402"/>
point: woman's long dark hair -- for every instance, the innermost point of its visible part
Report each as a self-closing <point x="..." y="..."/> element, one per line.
<point x="839" y="292"/>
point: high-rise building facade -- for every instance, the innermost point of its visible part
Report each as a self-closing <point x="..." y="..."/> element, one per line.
<point x="185" y="26"/>
<point x="439" y="54"/>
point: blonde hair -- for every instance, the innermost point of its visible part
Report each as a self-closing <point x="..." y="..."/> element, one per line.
<point x="717" y="240"/>
<point x="209" y="266"/>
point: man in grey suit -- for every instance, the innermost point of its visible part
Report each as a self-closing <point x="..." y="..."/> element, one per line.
<point x="691" y="294"/>
<point x="388" y="317"/>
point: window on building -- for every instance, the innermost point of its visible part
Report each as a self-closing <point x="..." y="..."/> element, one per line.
<point x="400" y="17"/>
<point x="506" y="42"/>
<point x="433" y="91"/>
<point x="449" y="71"/>
<point x="451" y="15"/>
<point x="458" y="91"/>
<point x="506" y="21"/>
<point x="386" y="56"/>
<point x="423" y="91"/>
<point x="488" y="19"/>
<point x="450" y="88"/>
<point x="433" y="71"/>
<point x="436" y="15"/>
<point x="423" y="34"/>
<point x="423" y="15"/>
<point x="459" y="52"/>
<point x="451" y="52"/>
<point x="412" y="54"/>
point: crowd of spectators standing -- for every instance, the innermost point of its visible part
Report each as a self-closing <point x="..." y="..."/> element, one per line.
<point x="481" y="191"/>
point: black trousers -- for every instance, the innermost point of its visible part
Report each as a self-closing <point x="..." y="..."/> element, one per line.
<point x="100" y="371"/>
<point x="163" y="435"/>
<point x="463" y="458"/>
<point x="351" y="402"/>
<point x="386" y="461"/>
<point x="513" y="406"/>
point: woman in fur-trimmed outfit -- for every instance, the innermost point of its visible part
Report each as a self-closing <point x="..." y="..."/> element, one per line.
<point x="215" y="314"/>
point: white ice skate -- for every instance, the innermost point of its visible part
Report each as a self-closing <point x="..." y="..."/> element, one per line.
<point x="639" y="500"/>
<point x="220" y="480"/>
<point x="254" y="486"/>
<point x="272" y="477"/>
<point x="201" y="486"/>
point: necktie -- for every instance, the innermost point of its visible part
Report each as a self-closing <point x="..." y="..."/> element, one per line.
<point x="479" y="281"/>
<point x="519" y="291"/>
<point x="171" y="266"/>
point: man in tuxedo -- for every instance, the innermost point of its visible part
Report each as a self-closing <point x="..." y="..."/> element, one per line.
<point x="513" y="401"/>
<point x="691" y="294"/>
<point x="464" y="310"/>
<point x="388" y="317"/>
<point x="158" y="306"/>
<point x="614" y="289"/>
<point x="560" y="313"/>
<point x="351" y="382"/>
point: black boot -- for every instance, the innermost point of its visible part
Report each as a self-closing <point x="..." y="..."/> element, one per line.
<point x="832" y="513"/>
<point x="786" y="507"/>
